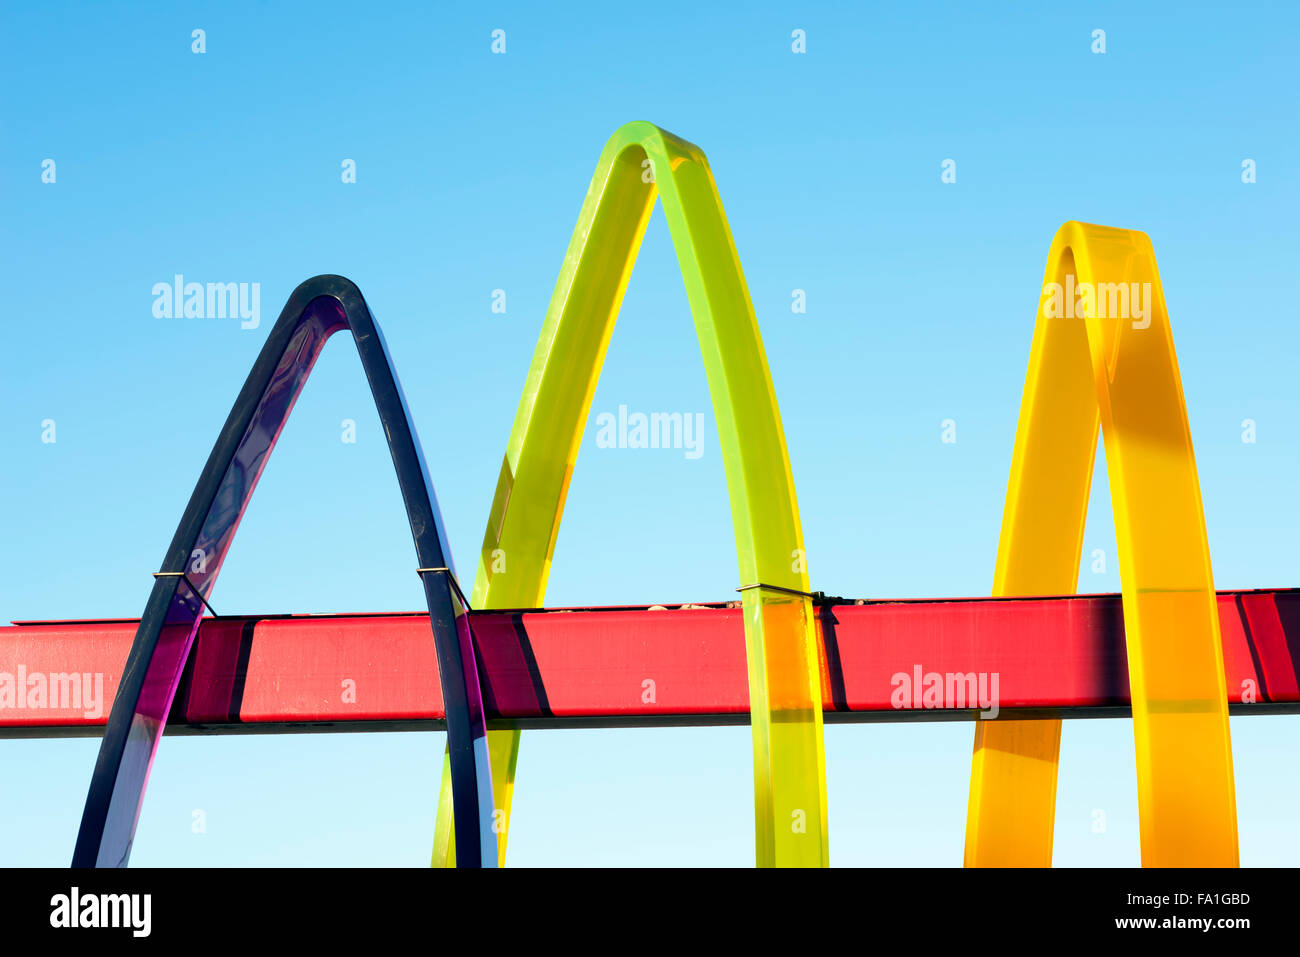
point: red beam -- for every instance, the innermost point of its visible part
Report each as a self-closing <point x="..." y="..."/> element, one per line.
<point x="627" y="666"/>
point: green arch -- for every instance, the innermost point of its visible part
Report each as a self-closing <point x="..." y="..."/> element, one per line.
<point x="784" y="670"/>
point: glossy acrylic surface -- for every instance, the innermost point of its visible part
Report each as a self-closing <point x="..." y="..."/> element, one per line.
<point x="1113" y="368"/>
<point x="168" y="627"/>
<point x="639" y="164"/>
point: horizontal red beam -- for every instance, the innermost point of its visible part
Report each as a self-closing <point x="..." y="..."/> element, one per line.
<point x="633" y="666"/>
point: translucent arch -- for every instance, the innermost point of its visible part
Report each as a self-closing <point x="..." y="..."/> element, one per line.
<point x="317" y="309"/>
<point x="1111" y="363"/>
<point x="640" y="162"/>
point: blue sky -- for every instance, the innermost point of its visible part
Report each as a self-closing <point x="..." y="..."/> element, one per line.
<point x="471" y="168"/>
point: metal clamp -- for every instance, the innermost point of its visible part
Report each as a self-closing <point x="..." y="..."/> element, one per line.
<point x="186" y="578"/>
<point x="451" y="577"/>
<point x="818" y="598"/>
<point x="814" y="595"/>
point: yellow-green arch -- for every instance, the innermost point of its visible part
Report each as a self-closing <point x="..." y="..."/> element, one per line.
<point x="1120" y="373"/>
<point x="784" y="682"/>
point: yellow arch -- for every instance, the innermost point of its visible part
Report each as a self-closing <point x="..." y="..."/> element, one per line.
<point x="1119" y="372"/>
<point x="785" y="688"/>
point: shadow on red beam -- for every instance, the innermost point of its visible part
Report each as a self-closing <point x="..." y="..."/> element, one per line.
<point x="615" y="667"/>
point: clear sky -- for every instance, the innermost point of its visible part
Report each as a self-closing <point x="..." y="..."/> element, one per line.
<point x="470" y="170"/>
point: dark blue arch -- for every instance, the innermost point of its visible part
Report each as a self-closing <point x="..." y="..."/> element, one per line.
<point x="317" y="309"/>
